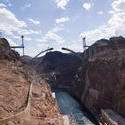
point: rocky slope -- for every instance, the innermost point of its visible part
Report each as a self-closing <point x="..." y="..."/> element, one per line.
<point x="25" y="98"/>
<point x="98" y="83"/>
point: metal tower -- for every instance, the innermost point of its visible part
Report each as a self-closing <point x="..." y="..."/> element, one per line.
<point x="22" y="46"/>
<point x="84" y="43"/>
<point x="23" y="43"/>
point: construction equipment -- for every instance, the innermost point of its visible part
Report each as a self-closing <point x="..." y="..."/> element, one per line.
<point x="43" y="52"/>
<point x="22" y="46"/>
<point x="84" y="43"/>
<point x="77" y="55"/>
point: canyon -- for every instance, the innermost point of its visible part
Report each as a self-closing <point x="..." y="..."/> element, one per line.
<point x="95" y="78"/>
<point x="97" y="81"/>
<point x="25" y="98"/>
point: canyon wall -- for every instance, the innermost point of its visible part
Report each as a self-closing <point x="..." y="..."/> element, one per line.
<point x="105" y="78"/>
<point x="98" y="81"/>
<point x="25" y="98"/>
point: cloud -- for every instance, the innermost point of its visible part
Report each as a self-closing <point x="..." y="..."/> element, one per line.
<point x="7" y="2"/>
<point x="87" y="6"/>
<point x="9" y="22"/>
<point x="101" y="32"/>
<point x="115" y="26"/>
<point x="16" y="37"/>
<point x="61" y="3"/>
<point x="36" y="22"/>
<point x="2" y="5"/>
<point x="26" y="6"/>
<point x="118" y="5"/>
<point x="11" y="42"/>
<point x="19" y="38"/>
<point x="28" y="32"/>
<point x="10" y="26"/>
<point x="62" y="20"/>
<point x="52" y="36"/>
<point x="38" y="40"/>
<point x="56" y="29"/>
<point x="27" y="39"/>
<point x="100" y="12"/>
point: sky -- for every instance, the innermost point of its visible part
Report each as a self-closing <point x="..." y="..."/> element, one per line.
<point x="60" y="23"/>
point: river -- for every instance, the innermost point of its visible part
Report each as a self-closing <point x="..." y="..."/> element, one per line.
<point x="69" y="106"/>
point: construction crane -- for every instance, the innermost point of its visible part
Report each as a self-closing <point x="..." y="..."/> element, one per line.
<point x="84" y="43"/>
<point x="22" y="46"/>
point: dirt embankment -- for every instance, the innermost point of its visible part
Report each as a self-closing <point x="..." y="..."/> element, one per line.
<point x="17" y="106"/>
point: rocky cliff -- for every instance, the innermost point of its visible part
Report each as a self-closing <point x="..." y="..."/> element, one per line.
<point x="105" y="77"/>
<point x="98" y="82"/>
<point x="25" y="98"/>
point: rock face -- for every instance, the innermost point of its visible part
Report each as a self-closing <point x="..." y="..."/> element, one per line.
<point x="25" y="98"/>
<point x="59" y="67"/>
<point x="6" y="52"/>
<point x="27" y="59"/>
<point x="105" y="78"/>
<point x="99" y="82"/>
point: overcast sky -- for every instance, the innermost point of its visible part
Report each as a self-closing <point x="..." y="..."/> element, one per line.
<point x="60" y="23"/>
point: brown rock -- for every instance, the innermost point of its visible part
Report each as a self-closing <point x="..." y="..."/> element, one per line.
<point x="6" y="52"/>
<point x="105" y="73"/>
<point x="10" y="123"/>
<point x="21" y="93"/>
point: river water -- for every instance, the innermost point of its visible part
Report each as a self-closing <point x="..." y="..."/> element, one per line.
<point x="69" y="106"/>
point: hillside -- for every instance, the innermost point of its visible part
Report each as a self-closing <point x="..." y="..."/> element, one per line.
<point x="25" y="98"/>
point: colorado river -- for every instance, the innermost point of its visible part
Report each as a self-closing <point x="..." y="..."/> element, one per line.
<point x="69" y="106"/>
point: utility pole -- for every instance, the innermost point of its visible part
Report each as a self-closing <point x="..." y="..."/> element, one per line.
<point x="23" y="43"/>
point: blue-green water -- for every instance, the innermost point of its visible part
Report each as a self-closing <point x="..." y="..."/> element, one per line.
<point x="69" y="106"/>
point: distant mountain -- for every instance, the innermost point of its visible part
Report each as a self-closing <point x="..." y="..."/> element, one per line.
<point x="26" y="59"/>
